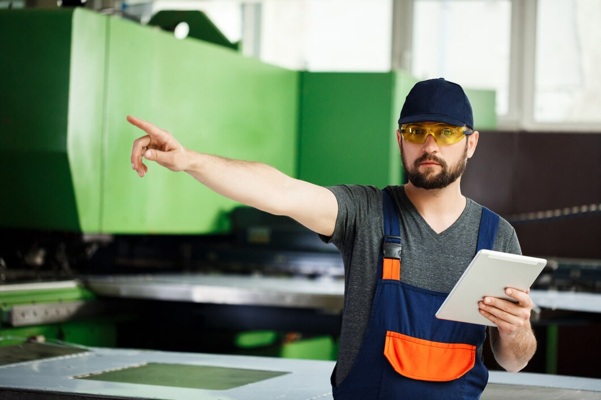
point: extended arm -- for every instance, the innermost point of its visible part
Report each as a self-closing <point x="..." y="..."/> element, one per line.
<point x="254" y="184"/>
<point x="512" y="341"/>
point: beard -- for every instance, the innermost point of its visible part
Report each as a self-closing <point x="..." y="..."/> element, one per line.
<point x="430" y="179"/>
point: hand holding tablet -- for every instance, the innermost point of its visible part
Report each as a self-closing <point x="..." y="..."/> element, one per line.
<point x="489" y="274"/>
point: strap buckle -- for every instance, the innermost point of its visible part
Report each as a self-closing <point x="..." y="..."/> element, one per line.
<point x="392" y="247"/>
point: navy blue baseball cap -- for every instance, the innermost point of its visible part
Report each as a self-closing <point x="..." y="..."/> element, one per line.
<point x="437" y="100"/>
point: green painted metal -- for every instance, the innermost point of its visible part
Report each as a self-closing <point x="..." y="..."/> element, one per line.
<point x="37" y="189"/>
<point x="253" y="339"/>
<point x="403" y="84"/>
<point x="317" y="348"/>
<point x="551" y="350"/>
<point x="51" y="113"/>
<point x="277" y="344"/>
<point x="348" y="127"/>
<point x="86" y="114"/>
<point x="213" y="99"/>
<point x="483" y="103"/>
<point x="70" y="77"/>
<point x="10" y="298"/>
<point x="97" y="332"/>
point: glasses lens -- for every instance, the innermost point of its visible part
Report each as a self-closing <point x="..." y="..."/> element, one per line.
<point x="443" y="134"/>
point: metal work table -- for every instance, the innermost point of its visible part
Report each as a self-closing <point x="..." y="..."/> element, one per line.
<point x="97" y="373"/>
<point x="527" y="386"/>
<point x="134" y="374"/>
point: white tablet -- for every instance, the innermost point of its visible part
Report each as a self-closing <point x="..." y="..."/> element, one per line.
<point x="489" y="273"/>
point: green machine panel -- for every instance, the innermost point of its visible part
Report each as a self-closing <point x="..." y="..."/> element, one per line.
<point x="68" y="78"/>
<point x="213" y="99"/>
<point x="348" y="125"/>
<point x="48" y="76"/>
<point x="483" y="106"/>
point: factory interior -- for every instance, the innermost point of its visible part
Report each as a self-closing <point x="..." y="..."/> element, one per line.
<point x="114" y="286"/>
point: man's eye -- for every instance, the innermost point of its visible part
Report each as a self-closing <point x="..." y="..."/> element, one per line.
<point x="418" y="131"/>
<point x="447" y="132"/>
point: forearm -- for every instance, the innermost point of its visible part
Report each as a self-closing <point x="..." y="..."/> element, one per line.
<point x="254" y="184"/>
<point x="513" y="352"/>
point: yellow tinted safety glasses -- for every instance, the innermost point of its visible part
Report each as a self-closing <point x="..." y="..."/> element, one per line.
<point x="444" y="134"/>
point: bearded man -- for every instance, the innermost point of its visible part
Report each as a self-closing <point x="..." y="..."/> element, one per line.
<point x="404" y="248"/>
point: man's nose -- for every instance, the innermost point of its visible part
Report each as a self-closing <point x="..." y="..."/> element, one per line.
<point x="430" y="141"/>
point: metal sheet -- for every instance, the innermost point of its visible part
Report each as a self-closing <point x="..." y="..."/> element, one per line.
<point x="184" y="376"/>
<point x="325" y="294"/>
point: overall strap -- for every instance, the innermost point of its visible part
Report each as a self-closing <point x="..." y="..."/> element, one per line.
<point x="391" y="246"/>
<point x="489" y="224"/>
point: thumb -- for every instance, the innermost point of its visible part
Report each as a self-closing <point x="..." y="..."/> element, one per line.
<point x="153" y="155"/>
<point x="160" y="157"/>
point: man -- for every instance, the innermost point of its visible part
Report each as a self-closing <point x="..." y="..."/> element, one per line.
<point x="391" y="344"/>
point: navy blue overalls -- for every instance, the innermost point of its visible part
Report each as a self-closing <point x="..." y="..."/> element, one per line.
<point x="407" y="353"/>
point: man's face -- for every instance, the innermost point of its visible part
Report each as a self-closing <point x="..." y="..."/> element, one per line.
<point x="430" y="166"/>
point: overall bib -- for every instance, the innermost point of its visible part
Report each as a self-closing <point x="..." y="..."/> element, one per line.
<point x="407" y="353"/>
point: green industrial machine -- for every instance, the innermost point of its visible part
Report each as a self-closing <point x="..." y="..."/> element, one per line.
<point x="69" y="77"/>
<point x="348" y="125"/>
<point x="53" y="311"/>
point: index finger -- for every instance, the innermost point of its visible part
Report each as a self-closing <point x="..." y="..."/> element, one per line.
<point x="141" y="144"/>
<point x="144" y="125"/>
<point x="156" y="134"/>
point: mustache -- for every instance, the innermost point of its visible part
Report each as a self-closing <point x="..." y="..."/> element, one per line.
<point x="429" y="157"/>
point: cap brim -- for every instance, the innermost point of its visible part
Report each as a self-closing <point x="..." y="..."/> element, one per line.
<point x="433" y="118"/>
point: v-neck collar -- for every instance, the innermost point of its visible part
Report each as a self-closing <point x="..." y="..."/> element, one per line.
<point x="422" y="221"/>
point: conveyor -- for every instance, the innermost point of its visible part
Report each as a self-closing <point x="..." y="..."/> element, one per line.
<point x="97" y="373"/>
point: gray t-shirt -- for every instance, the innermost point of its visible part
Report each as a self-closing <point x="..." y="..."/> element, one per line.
<point x="431" y="260"/>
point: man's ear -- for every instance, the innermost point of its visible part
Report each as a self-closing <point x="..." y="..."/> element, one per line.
<point x="472" y="143"/>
